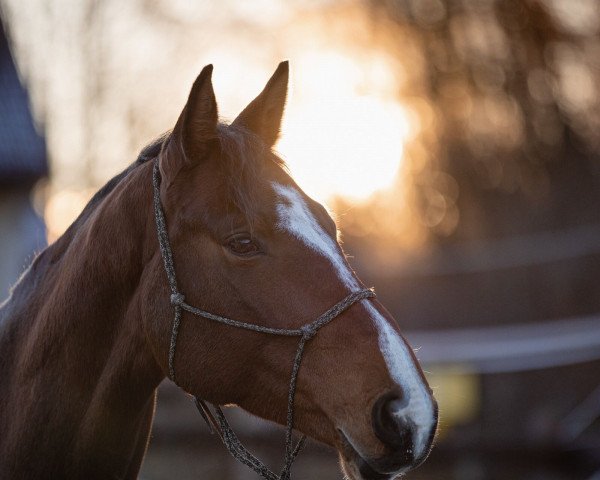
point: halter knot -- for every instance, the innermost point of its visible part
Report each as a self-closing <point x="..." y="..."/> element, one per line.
<point x="177" y="299"/>
<point x="308" y="331"/>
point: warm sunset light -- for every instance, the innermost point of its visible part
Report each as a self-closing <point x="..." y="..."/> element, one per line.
<point x="343" y="133"/>
<point x="62" y="208"/>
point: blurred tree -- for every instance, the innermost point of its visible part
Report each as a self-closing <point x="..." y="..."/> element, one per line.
<point x="507" y="96"/>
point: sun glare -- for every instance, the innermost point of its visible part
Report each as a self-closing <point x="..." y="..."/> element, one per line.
<point x="344" y="132"/>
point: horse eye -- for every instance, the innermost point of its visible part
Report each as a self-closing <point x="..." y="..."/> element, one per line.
<point x="243" y="246"/>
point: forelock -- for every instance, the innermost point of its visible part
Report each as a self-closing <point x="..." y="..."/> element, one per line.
<point x="244" y="157"/>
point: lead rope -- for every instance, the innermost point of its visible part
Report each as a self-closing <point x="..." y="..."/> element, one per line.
<point x="220" y="425"/>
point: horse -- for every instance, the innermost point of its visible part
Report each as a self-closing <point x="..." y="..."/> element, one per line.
<point x="86" y="335"/>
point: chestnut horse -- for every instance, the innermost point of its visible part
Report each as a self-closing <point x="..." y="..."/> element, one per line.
<point x="86" y="332"/>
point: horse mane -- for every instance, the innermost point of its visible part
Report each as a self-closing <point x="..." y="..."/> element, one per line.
<point x="24" y="285"/>
<point x="147" y="153"/>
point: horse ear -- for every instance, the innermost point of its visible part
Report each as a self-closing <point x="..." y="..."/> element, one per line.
<point x="196" y="129"/>
<point x="263" y="115"/>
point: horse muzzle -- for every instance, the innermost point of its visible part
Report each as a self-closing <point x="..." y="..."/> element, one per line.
<point x="407" y="444"/>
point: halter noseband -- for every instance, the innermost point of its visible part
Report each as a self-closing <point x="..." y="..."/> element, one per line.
<point x="305" y="333"/>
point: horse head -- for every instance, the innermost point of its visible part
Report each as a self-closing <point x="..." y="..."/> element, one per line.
<point x="249" y="244"/>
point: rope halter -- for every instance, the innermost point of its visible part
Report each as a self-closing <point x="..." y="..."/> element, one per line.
<point x="217" y="421"/>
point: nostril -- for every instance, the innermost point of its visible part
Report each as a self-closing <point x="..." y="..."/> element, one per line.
<point x="389" y="427"/>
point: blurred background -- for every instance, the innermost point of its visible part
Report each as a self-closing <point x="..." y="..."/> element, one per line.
<point x="456" y="141"/>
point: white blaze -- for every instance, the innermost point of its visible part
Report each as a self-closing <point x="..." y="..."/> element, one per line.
<point x="294" y="216"/>
<point x="419" y="408"/>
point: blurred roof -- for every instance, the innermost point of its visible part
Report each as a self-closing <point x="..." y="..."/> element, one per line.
<point x="22" y="150"/>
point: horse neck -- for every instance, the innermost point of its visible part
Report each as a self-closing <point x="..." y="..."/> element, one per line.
<point x="77" y="379"/>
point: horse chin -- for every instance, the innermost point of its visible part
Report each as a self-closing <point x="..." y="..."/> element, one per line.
<point x="355" y="467"/>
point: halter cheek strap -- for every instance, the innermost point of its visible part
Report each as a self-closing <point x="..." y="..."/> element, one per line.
<point x="217" y="421"/>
